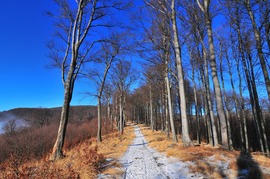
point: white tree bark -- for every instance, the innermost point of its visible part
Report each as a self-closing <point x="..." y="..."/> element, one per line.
<point x="185" y="129"/>
<point x="220" y="108"/>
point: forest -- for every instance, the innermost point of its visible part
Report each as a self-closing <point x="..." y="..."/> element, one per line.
<point x="198" y="70"/>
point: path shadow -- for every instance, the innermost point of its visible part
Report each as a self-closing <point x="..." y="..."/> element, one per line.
<point x="143" y="143"/>
<point x="247" y="167"/>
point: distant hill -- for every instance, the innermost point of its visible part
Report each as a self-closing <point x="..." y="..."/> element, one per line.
<point x="42" y="116"/>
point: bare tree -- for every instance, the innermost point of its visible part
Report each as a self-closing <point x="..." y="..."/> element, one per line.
<point x="168" y="9"/>
<point x="123" y="76"/>
<point x="104" y="58"/>
<point x="73" y="29"/>
<point x="205" y="8"/>
<point x="259" y="45"/>
<point x="185" y="129"/>
<point x="10" y="127"/>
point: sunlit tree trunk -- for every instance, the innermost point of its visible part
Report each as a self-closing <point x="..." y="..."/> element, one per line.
<point x="211" y="122"/>
<point x="101" y="88"/>
<point x="170" y="109"/>
<point x="205" y="78"/>
<point x="121" y="125"/>
<point x="151" y="109"/>
<point x="185" y="129"/>
<point x="59" y="143"/>
<point x="167" y="130"/>
<point x="227" y="116"/>
<point x="73" y="44"/>
<point x="99" y="139"/>
<point x="220" y="108"/>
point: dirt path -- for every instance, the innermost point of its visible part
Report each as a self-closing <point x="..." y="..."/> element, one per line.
<point x="142" y="162"/>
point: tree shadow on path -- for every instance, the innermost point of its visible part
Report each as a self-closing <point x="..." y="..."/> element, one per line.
<point x="247" y="167"/>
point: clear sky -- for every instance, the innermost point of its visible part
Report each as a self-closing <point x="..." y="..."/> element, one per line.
<point x="25" y="81"/>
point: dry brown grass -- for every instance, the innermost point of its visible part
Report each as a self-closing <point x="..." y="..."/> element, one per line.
<point x="84" y="160"/>
<point x="199" y="154"/>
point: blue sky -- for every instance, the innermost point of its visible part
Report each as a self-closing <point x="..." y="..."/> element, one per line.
<point x="25" y="80"/>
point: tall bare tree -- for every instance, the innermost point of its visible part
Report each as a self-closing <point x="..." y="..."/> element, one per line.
<point x="123" y="76"/>
<point x="259" y="45"/>
<point x="168" y="9"/>
<point x="103" y="59"/>
<point x="182" y="95"/>
<point x="75" y="20"/>
<point x="205" y="8"/>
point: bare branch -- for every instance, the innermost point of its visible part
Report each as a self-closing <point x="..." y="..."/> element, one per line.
<point x="151" y="5"/>
<point x="66" y="55"/>
<point x="200" y="5"/>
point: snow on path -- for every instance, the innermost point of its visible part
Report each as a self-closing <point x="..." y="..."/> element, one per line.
<point x="142" y="162"/>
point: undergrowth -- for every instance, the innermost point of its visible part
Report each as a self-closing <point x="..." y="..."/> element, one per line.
<point x="84" y="157"/>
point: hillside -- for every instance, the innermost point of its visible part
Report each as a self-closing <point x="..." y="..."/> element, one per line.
<point x="84" y="160"/>
<point x="43" y="116"/>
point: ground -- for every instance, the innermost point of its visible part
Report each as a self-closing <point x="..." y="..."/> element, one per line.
<point x="143" y="161"/>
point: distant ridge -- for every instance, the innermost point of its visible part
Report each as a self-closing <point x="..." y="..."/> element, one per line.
<point x="49" y="115"/>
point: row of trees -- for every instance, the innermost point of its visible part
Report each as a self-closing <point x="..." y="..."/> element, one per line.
<point x="226" y="110"/>
<point x="198" y="80"/>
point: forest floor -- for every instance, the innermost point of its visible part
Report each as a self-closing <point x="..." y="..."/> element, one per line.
<point x="152" y="155"/>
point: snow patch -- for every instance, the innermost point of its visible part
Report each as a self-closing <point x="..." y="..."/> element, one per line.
<point x="141" y="161"/>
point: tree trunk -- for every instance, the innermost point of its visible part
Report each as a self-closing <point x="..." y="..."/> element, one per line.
<point x="227" y="116"/>
<point x="198" y="130"/>
<point x="212" y="132"/>
<point x="59" y="143"/>
<point x="212" y="127"/>
<point x="169" y="102"/>
<point x="247" y="75"/>
<point x="259" y="47"/>
<point x="151" y="110"/>
<point x="163" y="116"/>
<point x="185" y="129"/>
<point x="205" y="79"/>
<point x="235" y="100"/>
<point x="209" y="129"/>
<point x="121" y="115"/>
<point x="260" y="123"/>
<point x="166" y="110"/>
<point x="213" y="66"/>
<point x="220" y="108"/>
<point x="242" y="102"/>
<point x="99" y="139"/>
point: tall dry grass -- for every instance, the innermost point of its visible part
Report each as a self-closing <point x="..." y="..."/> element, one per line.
<point x="84" y="157"/>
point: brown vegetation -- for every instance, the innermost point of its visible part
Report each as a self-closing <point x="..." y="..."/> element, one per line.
<point x="25" y="154"/>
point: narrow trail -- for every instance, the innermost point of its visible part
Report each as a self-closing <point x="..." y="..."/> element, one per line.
<point x="142" y="162"/>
